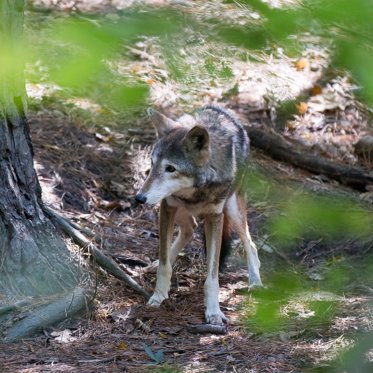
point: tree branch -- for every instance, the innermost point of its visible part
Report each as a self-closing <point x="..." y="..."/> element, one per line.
<point x="207" y="328"/>
<point x="100" y="258"/>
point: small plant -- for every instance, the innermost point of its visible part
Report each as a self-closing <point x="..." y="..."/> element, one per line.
<point x="157" y="357"/>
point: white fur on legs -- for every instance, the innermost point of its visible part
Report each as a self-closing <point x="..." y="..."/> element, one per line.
<point x="185" y="234"/>
<point x="213" y="314"/>
<point x="166" y="223"/>
<point x="213" y="232"/>
<point x="239" y="222"/>
<point x="163" y="285"/>
<point x="253" y="262"/>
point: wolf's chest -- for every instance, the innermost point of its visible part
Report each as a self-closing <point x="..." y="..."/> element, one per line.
<point x="199" y="202"/>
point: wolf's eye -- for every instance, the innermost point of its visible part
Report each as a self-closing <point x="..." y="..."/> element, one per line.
<point x="170" y="168"/>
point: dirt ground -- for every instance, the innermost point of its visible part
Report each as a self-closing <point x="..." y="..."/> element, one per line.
<point x="92" y="180"/>
<point x="90" y="170"/>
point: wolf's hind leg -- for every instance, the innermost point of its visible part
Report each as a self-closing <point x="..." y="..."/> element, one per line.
<point x="166" y="226"/>
<point x="235" y="210"/>
<point x="185" y="234"/>
<point x="187" y="224"/>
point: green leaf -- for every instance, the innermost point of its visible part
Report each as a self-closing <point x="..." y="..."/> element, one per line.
<point x="129" y="97"/>
<point x="157" y="357"/>
<point x="149" y="352"/>
<point x="243" y="37"/>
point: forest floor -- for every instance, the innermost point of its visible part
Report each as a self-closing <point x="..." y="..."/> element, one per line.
<point x="318" y="299"/>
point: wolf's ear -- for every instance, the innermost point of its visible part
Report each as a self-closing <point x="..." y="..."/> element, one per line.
<point x="162" y="124"/>
<point x="197" y="143"/>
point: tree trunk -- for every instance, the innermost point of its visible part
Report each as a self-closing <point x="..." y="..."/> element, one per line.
<point x="35" y="262"/>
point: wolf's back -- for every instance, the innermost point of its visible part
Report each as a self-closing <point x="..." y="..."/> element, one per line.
<point x="225" y="127"/>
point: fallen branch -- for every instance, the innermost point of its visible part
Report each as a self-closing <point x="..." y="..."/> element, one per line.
<point x="278" y="148"/>
<point x="207" y="328"/>
<point x="100" y="258"/>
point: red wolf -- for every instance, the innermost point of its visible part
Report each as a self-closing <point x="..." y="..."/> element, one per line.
<point x="197" y="164"/>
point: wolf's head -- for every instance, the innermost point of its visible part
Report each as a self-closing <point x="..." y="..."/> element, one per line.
<point x="182" y="149"/>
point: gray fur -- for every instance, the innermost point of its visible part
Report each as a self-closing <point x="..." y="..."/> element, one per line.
<point x="229" y="148"/>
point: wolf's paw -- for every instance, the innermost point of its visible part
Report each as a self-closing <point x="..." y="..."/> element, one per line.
<point x="156" y="300"/>
<point x="215" y="317"/>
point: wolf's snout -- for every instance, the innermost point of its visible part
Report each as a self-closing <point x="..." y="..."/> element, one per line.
<point x="140" y="198"/>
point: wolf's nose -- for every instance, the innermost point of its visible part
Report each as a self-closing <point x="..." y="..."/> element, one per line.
<point x="140" y="198"/>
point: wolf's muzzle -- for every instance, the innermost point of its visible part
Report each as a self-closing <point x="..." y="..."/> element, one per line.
<point x="140" y="198"/>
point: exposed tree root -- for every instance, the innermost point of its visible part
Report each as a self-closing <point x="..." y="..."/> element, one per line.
<point x="50" y="314"/>
<point x="13" y="307"/>
<point x="278" y="148"/>
<point x="100" y="258"/>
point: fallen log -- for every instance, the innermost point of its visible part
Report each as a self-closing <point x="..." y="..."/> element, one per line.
<point x="278" y="148"/>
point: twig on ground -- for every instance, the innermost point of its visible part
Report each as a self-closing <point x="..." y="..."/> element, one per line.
<point x="207" y="328"/>
<point x="100" y="258"/>
<point x="85" y="231"/>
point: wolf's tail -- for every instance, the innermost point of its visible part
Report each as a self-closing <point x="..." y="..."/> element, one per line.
<point x="226" y="243"/>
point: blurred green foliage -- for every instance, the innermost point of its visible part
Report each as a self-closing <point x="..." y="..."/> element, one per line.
<point x="75" y="53"/>
<point x="290" y="304"/>
<point x="326" y="215"/>
<point x="346" y="24"/>
<point x="82" y="44"/>
<point x="294" y="303"/>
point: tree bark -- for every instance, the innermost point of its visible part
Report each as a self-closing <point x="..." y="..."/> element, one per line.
<point x="35" y="261"/>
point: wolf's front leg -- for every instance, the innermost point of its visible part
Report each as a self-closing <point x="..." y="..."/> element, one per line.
<point x="166" y="225"/>
<point x="213" y="232"/>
